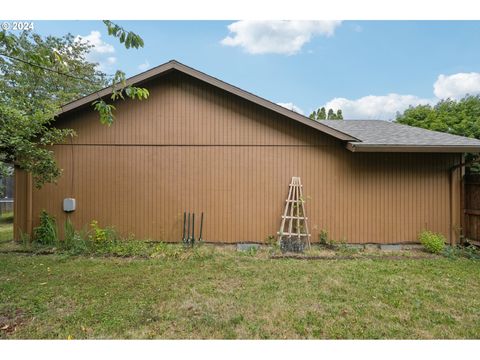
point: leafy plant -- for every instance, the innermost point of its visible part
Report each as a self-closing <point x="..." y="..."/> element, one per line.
<point x="271" y="240"/>
<point x="102" y="240"/>
<point x="432" y="242"/>
<point x="343" y="247"/>
<point x="74" y="241"/>
<point x="98" y="234"/>
<point x="46" y="233"/>
<point x="69" y="231"/>
<point x="332" y="243"/>
<point x="472" y="252"/>
<point x="323" y="237"/>
<point x="469" y="252"/>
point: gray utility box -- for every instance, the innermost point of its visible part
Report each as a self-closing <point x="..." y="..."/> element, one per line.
<point x="69" y="204"/>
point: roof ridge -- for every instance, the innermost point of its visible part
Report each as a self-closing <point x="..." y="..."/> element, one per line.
<point x="176" y="65"/>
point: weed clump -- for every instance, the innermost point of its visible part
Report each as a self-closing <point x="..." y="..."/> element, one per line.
<point x="432" y="242"/>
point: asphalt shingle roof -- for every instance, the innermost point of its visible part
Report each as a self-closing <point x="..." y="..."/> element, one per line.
<point x="379" y="132"/>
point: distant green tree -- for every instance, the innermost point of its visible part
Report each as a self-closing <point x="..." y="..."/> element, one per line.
<point x="460" y="117"/>
<point x="322" y="114"/>
<point x="330" y="114"/>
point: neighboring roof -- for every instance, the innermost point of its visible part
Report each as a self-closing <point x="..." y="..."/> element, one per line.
<point x="173" y="65"/>
<point x="386" y="136"/>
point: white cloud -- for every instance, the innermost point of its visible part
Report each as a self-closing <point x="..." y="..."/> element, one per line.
<point x="101" y="53"/>
<point x="144" y="66"/>
<point x="292" y="106"/>
<point x="457" y="85"/>
<point x="383" y="107"/>
<point x="277" y="37"/>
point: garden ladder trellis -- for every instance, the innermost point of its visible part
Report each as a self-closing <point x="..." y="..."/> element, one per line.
<point x="293" y="234"/>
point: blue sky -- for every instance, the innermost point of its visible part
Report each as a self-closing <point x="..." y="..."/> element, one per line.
<point x="370" y="69"/>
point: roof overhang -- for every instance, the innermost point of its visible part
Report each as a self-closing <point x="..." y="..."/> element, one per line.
<point x="361" y="147"/>
<point x="175" y="65"/>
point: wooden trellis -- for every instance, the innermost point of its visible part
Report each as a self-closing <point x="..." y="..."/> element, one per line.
<point x="293" y="234"/>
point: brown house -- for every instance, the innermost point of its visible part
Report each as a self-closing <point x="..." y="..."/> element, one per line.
<point x="201" y="145"/>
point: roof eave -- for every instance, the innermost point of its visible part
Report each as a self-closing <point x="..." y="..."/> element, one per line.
<point x="134" y="80"/>
<point x="359" y="147"/>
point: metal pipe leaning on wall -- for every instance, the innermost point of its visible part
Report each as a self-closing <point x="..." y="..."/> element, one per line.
<point x="188" y="238"/>
<point x="201" y="228"/>
<point x="192" y="238"/>
<point x="184" y="223"/>
<point x="188" y="229"/>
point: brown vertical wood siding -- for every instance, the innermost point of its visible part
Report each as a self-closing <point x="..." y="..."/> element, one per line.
<point x="20" y="204"/>
<point x="192" y="147"/>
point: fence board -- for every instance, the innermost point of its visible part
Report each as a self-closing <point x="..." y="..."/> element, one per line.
<point x="472" y="207"/>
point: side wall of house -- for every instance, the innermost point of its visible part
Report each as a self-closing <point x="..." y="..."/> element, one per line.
<point x="192" y="147"/>
<point x="21" y="211"/>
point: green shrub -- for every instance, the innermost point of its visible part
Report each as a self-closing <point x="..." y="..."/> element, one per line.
<point x="74" y="242"/>
<point x="102" y="240"/>
<point x="273" y="246"/>
<point x="432" y="242"/>
<point x="323" y="237"/>
<point x="46" y="233"/>
<point x="98" y="234"/>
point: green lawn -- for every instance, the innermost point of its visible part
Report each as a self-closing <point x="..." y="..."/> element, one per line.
<point x="219" y="293"/>
<point x="6" y="227"/>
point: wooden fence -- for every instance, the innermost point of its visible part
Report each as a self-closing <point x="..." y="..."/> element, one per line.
<point x="472" y="207"/>
<point x="6" y="205"/>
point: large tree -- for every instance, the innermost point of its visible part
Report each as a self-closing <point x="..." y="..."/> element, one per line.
<point x="460" y="117"/>
<point x="37" y="76"/>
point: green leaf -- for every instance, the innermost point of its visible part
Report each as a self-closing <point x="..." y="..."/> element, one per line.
<point x="128" y="38"/>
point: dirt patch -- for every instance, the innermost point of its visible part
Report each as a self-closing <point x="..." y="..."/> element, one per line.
<point x="29" y="252"/>
<point x="9" y="322"/>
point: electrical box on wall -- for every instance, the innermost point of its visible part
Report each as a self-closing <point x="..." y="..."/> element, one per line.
<point x="69" y="204"/>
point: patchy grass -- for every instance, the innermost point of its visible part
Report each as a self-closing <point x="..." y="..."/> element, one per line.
<point x="219" y="293"/>
<point x="6" y="227"/>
